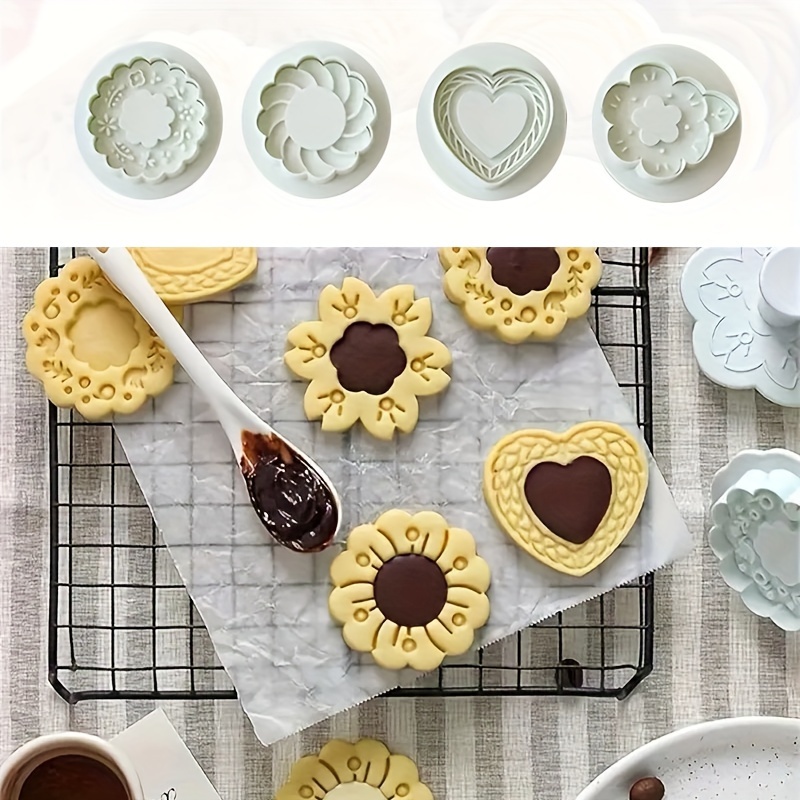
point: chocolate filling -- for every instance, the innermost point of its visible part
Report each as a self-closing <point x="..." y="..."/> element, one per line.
<point x="523" y="269"/>
<point x="410" y="590"/>
<point x="572" y="499"/>
<point x="292" y="501"/>
<point x="368" y="358"/>
<point x="73" y="777"/>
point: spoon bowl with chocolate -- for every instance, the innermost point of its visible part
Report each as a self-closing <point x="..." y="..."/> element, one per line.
<point x="292" y="496"/>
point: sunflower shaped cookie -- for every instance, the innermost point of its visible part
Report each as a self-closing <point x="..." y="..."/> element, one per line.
<point x="410" y="590"/>
<point x="568" y="499"/>
<point x="520" y="293"/>
<point x="89" y="347"/>
<point x="365" y="770"/>
<point x="368" y="358"/>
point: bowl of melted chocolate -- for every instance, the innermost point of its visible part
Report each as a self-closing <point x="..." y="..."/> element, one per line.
<point x="69" y="766"/>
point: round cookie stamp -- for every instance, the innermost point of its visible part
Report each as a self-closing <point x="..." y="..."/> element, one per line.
<point x="365" y="770"/>
<point x="410" y="590"/>
<point x="182" y="275"/>
<point x="520" y="293"/>
<point x="368" y="358"/>
<point x="568" y="499"/>
<point x="90" y="348"/>
<point x="316" y="119"/>
<point x="148" y="120"/>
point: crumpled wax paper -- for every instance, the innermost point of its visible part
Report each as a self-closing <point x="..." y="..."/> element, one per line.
<point x="266" y="607"/>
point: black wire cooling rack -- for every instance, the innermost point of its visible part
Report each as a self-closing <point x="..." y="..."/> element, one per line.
<point x="123" y="627"/>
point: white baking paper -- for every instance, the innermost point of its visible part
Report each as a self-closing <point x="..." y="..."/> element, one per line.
<point x="266" y="607"/>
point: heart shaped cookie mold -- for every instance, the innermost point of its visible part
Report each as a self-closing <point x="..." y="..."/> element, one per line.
<point x="568" y="499"/>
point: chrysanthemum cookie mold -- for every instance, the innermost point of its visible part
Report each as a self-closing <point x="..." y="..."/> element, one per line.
<point x="148" y="120"/>
<point x="521" y="293"/>
<point x="746" y="308"/>
<point x="755" y="532"/>
<point x="316" y="119"/>
<point x="666" y="123"/>
<point x="116" y="371"/>
<point x="568" y="499"/>
<point x="365" y="770"/>
<point x="368" y="358"/>
<point x="491" y="121"/>
<point x="410" y="590"/>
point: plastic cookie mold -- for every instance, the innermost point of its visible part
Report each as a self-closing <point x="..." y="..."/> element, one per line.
<point x="368" y="357"/>
<point x="520" y="293"/>
<point x="666" y="123"/>
<point x="97" y="374"/>
<point x="316" y="119"/>
<point x="183" y="275"/>
<point x="491" y="121"/>
<point x="755" y="532"/>
<point x="568" y="499"/>
<point x="410" y="590"/>
<point x="148" y="120"/>
<point x="746" y="307"/>
<point x="365" y="770"/>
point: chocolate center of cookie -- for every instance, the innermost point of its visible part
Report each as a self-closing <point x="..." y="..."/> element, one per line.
<point x="572" y="499"/>
<point x="410" y="590"/>
<point x="368" y="358"/>
<point x="523" y="269"/>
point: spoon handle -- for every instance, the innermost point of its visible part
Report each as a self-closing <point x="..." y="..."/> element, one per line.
<point x="124" y="272"/>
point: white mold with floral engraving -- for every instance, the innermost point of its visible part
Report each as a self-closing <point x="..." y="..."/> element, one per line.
<point x="148" y="120"/>
<point x="666" y="123"/>
<point x="736" y="340"/>
<point x="316" y="119"/>
<point x="755" y="532"/>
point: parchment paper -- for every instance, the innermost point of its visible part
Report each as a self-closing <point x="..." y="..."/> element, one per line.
<point x="266" y="607"/>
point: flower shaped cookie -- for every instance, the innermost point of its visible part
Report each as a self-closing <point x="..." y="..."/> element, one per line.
<point x="365" y="770"/>
<point x="520" y="293"/>
<point x="410" y="590"/>
<point x="368" y="358"/>
<point x="89" y="346"/>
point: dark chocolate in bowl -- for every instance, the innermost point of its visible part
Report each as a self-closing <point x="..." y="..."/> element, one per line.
<point x="70" y="776"/>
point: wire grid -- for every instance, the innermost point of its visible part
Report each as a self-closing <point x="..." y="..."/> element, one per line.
<point x="122" y="625"/>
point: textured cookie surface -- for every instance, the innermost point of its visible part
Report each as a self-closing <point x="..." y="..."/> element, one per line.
<point x="568" y="499"/>
<point x="521" y="293"/>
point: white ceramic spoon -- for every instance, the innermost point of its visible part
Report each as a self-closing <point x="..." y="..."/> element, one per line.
<point x="293" y="497"/>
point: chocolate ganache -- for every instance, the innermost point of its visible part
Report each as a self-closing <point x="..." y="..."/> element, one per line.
<point x="523" y="269"/>
<point x="368" y="358"/>
<point x="410" y="590"/>
<point x="72" y="777"/>
<point x="291" y="499"/>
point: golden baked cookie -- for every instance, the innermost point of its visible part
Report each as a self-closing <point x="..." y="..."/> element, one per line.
<point x="89" y="347"/>
<point x="182" y="275"/>
<point x="568" y="499"/>
<point x="368" y="358"/>
<point x="521" y="293"/>
<point x="365" y="770"/>
<point x="410" y="590"/>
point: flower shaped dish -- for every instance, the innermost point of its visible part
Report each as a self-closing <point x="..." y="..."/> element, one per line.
<point x="410" y="590"/>
<point x="368" y="358"/>
<point x="663" y="124"/>
<point x="756" y="532"/>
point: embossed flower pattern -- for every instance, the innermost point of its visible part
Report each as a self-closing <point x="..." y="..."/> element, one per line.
<point x="664" y="123"/>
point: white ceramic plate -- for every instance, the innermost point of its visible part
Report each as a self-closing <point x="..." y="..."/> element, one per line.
<point x="745" y="758"/>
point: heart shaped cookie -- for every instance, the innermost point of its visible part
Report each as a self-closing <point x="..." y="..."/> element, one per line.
<point x="568" y="499"/>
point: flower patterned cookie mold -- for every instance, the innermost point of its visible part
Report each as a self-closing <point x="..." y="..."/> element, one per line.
<point x="521" y="293"/>
<point x="97" y="374"/>
<point x="568" y="499"/>
<point x="316" y="119"/>
<point x="368" y="358"/>
<point x="410" y="590"/>
<point x="734" y="344"/>
<point x="755" y="532"/>
<point x="364" y="770"/>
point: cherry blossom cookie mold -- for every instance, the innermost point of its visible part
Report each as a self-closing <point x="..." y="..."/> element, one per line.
<point x="491" y="121"/>
<point x="148" y="120"/>
<point x="316" y="119"/>
<point x="667" y="123"/>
